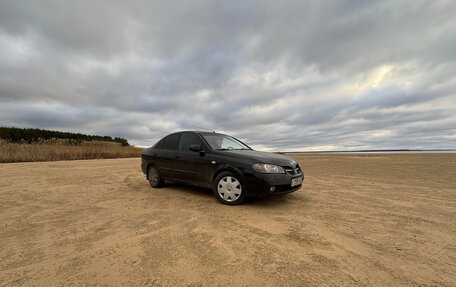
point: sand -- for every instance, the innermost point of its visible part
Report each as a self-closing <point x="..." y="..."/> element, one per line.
<point x="359" y="220"/>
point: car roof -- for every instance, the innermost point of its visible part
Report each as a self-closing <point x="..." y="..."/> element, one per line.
<point x="199" y="132"/>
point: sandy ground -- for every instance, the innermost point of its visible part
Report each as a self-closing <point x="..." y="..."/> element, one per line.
<point x="359" y="220"/>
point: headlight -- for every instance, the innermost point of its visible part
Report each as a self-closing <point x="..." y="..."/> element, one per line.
<point x="267" y="168"/>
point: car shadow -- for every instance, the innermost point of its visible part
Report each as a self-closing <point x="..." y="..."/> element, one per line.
<point x="264" y="202"/>
<point x="196" y="190"/>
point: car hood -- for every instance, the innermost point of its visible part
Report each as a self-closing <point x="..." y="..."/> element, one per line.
<point x="263" y="157"/>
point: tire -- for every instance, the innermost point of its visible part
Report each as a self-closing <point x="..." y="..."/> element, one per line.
<point x="227" y="188"/>
<point x="154" y="178"/>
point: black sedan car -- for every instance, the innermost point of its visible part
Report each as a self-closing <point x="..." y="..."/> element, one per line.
<point x="232" y="169"/>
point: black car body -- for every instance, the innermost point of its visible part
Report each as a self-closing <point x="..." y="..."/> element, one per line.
<point x="200" y="158"/>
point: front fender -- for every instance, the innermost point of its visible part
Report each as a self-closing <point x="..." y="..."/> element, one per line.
<point x="228" y="167"/>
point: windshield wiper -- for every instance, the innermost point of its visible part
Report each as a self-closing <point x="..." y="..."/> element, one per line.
<point x="233" y="149"/>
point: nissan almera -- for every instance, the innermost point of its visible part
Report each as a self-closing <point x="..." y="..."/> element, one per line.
<point x="221" y="162"/>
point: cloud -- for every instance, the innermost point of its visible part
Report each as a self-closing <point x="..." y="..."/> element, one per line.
<point x="293" y="75"/>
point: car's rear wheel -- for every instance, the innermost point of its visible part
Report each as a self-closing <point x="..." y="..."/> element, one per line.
<point x="154" y="178"/>
<point x="228" y="189"/>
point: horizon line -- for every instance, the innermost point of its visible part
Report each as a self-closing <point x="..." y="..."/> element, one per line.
<point x="372" y="150"/>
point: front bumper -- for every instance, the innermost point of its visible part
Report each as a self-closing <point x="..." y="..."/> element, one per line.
<point x="259" y="184"/>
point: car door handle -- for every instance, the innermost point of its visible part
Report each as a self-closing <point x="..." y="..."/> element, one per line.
<point x="177" y="156"/>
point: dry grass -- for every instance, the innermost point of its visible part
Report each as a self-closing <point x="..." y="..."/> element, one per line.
<point x="57" y="149"/>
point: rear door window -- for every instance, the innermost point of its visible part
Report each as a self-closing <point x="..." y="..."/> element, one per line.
<point x="188" y="139"/>
<point x="171" y="142"/>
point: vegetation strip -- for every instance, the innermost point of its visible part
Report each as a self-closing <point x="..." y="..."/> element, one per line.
<point x="22" y="145"/>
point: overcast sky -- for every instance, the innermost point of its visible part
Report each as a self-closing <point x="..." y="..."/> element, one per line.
<point x="280" y="75"/>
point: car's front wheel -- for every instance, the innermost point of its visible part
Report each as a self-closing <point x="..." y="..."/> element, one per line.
<point x="228" y="189"/>
<point x="154" y="178"/>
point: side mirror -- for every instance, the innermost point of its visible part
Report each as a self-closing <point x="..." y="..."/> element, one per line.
<point x="195" y="148"/>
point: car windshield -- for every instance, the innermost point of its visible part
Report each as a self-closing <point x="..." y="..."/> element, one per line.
<point x="223" y="142"/>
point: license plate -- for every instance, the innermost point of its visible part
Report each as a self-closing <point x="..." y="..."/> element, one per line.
<point x="296" y="181"/>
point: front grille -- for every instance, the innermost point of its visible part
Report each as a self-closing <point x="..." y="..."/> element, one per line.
<point x="293" y="171"/>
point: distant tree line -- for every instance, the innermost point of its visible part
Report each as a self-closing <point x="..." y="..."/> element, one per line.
<point x="34" y="135"/>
